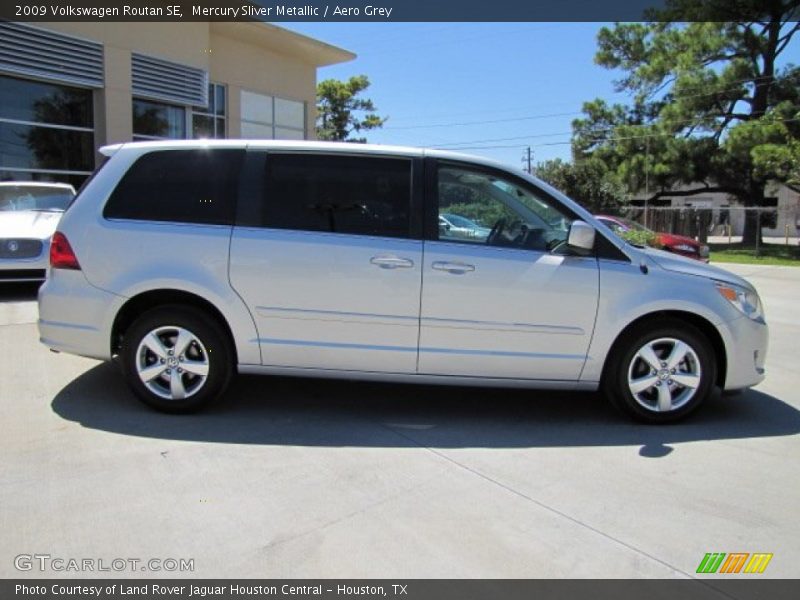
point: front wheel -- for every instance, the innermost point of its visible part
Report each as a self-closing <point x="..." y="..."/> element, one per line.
<point x="176" y="359"/>
<point x="661" y="372"/>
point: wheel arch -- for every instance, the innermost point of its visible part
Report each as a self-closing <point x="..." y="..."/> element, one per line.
<point x="700" y="323"/>
<point x="142" y="302"/>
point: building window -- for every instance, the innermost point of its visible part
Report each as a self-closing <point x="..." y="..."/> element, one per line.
<point x="46" y="132"/>
<point x="157" y="121"/>
<point x="209" y="122"/>
<point x="268" y="117"/>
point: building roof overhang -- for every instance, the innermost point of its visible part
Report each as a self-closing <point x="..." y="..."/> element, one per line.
<point x="283" y="41"/>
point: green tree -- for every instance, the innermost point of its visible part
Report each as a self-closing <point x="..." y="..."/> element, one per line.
<point x="709" y="104"/>
<point x="340" y="112"/>
<point x="589" y="182"/>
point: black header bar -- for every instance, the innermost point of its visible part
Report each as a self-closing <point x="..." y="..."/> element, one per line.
<point x="345" y="10"/>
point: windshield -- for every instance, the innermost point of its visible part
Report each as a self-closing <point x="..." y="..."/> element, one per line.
<point x="23" y="197"/>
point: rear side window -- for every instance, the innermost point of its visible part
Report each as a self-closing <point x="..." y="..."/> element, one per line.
<point x="339" y="194"/>
<point x="184" y="186"/>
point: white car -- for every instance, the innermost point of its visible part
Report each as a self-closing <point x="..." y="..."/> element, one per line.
<point x="29" y="214"/>
<point x="456" y="226"/>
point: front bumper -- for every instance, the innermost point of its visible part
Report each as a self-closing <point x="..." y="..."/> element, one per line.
<point x="746" y="343"/>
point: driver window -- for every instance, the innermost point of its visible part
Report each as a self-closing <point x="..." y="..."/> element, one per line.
<point x="479" y="208"/>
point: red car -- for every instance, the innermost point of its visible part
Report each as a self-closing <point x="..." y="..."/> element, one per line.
<point x="678" y="244"/>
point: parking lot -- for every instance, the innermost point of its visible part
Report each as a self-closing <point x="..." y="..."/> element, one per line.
<point x="312" y="478"/>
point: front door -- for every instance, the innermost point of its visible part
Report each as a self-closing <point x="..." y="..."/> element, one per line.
<point x="502" y="296"/>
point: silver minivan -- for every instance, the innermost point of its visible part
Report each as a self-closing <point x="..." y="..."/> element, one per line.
<point x="192" y="260"/>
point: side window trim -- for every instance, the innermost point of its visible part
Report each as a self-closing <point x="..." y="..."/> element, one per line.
<point x="251" y="189"/>
<point x="430" y="228"/>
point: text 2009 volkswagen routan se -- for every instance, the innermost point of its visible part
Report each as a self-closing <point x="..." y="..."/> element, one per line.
<point x="192" y="260"/>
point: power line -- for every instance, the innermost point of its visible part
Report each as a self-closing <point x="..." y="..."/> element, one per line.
<point x="487" y="122"/>
<point x="506" y="139"/>
<point x="521" y="146"/>
<point x="596" y="140"/>
<point x="684" y="122"/>
<point x="575" y="113"/>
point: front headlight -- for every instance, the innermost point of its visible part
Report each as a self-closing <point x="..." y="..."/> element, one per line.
<point x="745" y="300"/>
<point x="685" y="248"/>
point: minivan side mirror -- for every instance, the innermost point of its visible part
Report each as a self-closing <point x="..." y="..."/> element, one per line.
<point x="581" y="236"/>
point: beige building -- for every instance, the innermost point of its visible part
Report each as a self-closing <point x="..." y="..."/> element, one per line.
<point x="68" y="88"/>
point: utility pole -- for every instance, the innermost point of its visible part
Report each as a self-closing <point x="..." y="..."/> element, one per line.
<point x="527" y="159"/>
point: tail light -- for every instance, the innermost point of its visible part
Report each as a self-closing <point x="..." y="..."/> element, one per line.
<point x="61" y="254"/>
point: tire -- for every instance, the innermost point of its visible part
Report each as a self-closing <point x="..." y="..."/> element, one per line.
<point x="660" y="371"/>
<point x="169" y="380"/>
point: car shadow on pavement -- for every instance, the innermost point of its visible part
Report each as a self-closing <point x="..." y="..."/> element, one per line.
<point x="316" y="412"/>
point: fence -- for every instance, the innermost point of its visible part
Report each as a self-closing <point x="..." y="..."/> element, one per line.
<point x="722" y="228"/>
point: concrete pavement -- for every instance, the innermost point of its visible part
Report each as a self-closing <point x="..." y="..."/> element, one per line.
<point x="308" y="478"/>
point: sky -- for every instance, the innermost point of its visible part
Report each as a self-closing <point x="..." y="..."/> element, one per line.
<point x="492" y="89"/>
<point x="441" y="83"/>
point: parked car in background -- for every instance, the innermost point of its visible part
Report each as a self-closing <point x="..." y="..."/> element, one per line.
<point x="29" y="214"/>
<point x="191" y="260"/>
<point x="677" y="244"/>
<point x="456" y="226"/>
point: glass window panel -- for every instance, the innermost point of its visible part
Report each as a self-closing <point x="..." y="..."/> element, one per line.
<point x="160" y="120"/>
<point x="221" y="134"/>
<point x="45" y="103"/>
<point x="31" y="147"/>
<point x="281" y="133"/>
<point x="256" y="107"/>
<point x="256" y="131"/>
<point x="202" y="127"/>
<point x="289" y="113"/>
<point x="184" y="186"/>
<point x="479" y="208"/>
<point x="340" y="194"/>
<point x="219" y="100"/>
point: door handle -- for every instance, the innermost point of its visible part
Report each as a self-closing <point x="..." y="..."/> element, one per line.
<point x="456" y="268"/>
<point x="391" y="262"/>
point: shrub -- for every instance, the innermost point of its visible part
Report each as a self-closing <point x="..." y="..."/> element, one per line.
<point x="638" y="237"/>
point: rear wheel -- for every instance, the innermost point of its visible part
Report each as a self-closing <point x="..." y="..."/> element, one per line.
<point x="176" y="359"/>
<point x="661" y="371"/>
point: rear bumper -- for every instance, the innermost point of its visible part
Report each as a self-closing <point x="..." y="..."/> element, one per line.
<point x="75" y="316"/>
<point x="746" y="343"/>
<point x="24" y="269"/>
